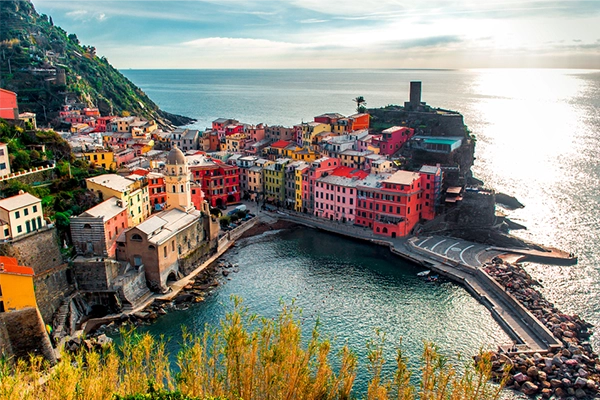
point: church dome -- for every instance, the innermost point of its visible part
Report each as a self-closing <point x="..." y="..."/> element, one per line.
<point x="175" y="157"/>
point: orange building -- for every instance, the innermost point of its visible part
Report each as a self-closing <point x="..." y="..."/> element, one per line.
<point x="16" y="286"/>
<point x="359" y="121"/>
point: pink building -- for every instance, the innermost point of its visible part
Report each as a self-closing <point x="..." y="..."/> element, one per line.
<point x="393" y="139"/>
<point x="255" y="132"/>
<point x="309" y="178"/>
<point x="95" y="232"/>
<point x="335" y="194"/>
<point x="431" y="183"/>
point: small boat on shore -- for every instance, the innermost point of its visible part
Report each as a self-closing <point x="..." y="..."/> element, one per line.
<point x="423" y="274"/>
<point x="432" y="278"/>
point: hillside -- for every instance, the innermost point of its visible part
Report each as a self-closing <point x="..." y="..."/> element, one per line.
<point x="45" y="65"/>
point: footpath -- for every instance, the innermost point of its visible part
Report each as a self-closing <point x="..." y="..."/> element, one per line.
<point x="448" y="257"/>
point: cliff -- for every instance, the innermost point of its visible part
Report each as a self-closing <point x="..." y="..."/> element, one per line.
<point x="45" y="66"/>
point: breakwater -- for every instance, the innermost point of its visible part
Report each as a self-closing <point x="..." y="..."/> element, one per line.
<point x="539" y="331"/>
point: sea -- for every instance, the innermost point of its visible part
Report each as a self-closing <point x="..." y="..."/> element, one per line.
<point x="538" y="139"/>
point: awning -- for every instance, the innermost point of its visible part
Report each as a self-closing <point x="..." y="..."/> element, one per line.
<point x="454" y="190"/>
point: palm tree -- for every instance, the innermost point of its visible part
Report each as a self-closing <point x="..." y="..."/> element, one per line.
<point x="360" y="104"/>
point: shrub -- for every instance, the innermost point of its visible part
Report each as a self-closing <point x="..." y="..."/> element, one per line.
<point x="246" y="357"/>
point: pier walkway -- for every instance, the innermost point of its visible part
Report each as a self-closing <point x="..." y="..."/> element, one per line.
<point x="460" y="261"/>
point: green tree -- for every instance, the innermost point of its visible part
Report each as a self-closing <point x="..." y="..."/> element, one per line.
<point x="360" y="104"/>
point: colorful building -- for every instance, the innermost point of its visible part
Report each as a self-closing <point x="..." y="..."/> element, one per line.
<point x="219" y="181"/>
<point x="277" y="132"/>
<point x="309" y="132"/>
<point x="300" y="172"/>
<point x="95" y="232"/>
<point x="101" y="158"/>
<point x="335" y="194"/>
<point x="432" y="188"/>
<point x="359" y="121"/>
<point x="274" y="181"/>
<point x="291" y="186"/>
<point x="20" y="215"/>
<point x="132" y="191"/>
<point x="392" y="139"/>
<point x="4" y="160"/>
<point x="390" y="204"/>
<point x="317" y="169"/>
<point x="8" y="105"/>
<point x="16" y="286"/>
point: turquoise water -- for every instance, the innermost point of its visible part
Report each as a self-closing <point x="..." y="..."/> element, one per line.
<point x="353" y="288"/>
<point x="537" y="139"/>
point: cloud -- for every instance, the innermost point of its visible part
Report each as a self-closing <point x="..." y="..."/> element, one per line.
<point x="434" y="41"/>
<point x="77" y="14"/>
<point x="312" y="21"/>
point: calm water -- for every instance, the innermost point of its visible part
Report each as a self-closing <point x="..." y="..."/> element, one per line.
<point x="352" y="287"/>
<point x="538" y="139"/>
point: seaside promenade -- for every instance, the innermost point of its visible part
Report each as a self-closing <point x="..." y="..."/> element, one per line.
<point x="460" y="261"/>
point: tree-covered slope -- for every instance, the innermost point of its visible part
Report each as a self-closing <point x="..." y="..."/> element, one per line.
<point x="45" y="65"/>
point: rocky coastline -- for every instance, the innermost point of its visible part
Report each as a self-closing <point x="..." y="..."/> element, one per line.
<point x="573" y="371"/>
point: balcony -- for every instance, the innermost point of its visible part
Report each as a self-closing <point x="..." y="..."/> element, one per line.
<point x="389" y="219"/>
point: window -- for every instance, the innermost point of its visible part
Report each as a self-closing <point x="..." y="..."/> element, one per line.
<point x="19" y="229"/>
<point x="87" y="226"/>
<point x="136" y="238"/>
<point x="17" y="214"/>
<point x="165" y="251"/>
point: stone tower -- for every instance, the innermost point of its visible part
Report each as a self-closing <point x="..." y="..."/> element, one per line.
<point x="177" y="180"/>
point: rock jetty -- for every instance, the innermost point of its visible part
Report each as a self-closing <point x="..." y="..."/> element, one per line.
<point x="573" y="371"/>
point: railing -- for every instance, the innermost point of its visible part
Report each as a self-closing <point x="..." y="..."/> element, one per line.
<point x="23" y="173"/>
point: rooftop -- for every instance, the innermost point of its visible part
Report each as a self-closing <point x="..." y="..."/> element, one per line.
<point x="165" y="224"/>
<point x="403" y="177"/>
<point x="18" y="201"/>
<point x="112" y="181"/>
<point x="9" y="265"/>
<point x="281" y="144"/>
<point x="374" y="180"/>
<point x="349" y="172"/>
<point x="429" y="169"/>
<point x="107" y="209"/>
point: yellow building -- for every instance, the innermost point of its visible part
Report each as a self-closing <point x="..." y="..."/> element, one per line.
<point x="236" y="143"/>
<point x="101" y="158"/>
<point x="298" y="181"/>
<point x="20" y="215"/>
<point x="310" y="130"/>
<point x="16" y="286"/>
<point x="133" y="192"/>
<point x="4" y="160"/>
<point x="274" y="180"/>
<point x="301" y="154"/>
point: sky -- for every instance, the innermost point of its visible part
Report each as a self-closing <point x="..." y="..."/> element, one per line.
<point x="335" y="33"/>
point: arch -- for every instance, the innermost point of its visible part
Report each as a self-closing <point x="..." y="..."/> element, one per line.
<point x="87" y="226"/>
<point x="230" y="198"/>
<point x="219" y="202"/>
<point x="393" y="234"/>
<point x="378" y="230"/>
<point x="384" y="230"/>
<point x="136" y="238"/>
<point x="172" y="277"/>
<point x="152" y="247"/>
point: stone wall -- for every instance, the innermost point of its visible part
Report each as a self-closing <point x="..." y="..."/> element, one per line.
<point x="51" y="288"/>
<point x="30" y="178"/>
<point x="202" y="253"/>
<point x="26" y="334"/>
<point x="41" y="251"/>
<point x="94" y="274"/>
<point x="131" y="287"/>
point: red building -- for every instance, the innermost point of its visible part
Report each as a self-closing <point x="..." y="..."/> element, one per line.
<point x="219" y="182"/>
<point x="197" y="195"/>
<point x="390" y="204"/>
<point x="329" y="118"/>
<point x="392" y="139"/>
<point x="102" y="123"/>
<point x="431" y="182"/>
<point x="8" y="105"/>
<point x="318" y="168"/>
<point x="359" y="121"/>
<point x="157" y="188"/>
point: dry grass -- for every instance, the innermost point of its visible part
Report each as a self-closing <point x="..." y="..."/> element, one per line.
<point x="245" y="358"/>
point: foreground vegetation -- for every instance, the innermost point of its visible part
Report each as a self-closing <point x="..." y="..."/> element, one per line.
<point x="247" y="357"/>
